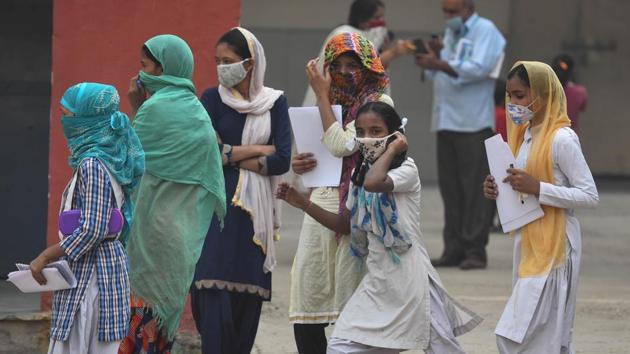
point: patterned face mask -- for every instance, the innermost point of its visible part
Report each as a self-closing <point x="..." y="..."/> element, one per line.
<point x="348" y="83"/>
<point x="231" y="75"/>
<point x="372" y="148"/>
<point x="520" y="114"/>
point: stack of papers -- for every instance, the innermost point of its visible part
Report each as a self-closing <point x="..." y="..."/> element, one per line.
<point x="58" y="274"/>
<point x="308" y="130"/>
<point x="515" y="209"/>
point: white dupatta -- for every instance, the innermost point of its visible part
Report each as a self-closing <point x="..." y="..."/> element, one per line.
<point x="255" y="192"/>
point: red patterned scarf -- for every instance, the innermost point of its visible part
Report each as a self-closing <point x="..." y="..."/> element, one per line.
<point x="351" y="91"/>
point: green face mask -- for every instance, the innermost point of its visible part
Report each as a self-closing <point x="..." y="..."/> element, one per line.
<point x="153" y="83"/>
<point x="150" y="83"/>
<point x="456" y="24"/>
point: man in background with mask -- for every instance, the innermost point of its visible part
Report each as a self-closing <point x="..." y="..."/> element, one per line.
<point x="463" y="68"/>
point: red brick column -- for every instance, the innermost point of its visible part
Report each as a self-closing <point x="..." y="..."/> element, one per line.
<point x="101" y="40"/>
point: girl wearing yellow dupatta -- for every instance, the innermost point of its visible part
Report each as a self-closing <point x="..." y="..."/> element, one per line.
<point x="539" y="315"/>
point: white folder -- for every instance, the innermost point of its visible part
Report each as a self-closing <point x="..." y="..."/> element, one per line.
<point x="58" y="275"/>
<point x="515" y="210"/>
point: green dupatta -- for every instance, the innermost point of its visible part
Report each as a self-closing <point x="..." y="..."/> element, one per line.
<point x="182" y="189"/>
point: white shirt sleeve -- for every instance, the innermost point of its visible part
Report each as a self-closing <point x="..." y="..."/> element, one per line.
<point x="406" y="177"/>
<point x="336" y="138"/>
<point x="568" y="157"/>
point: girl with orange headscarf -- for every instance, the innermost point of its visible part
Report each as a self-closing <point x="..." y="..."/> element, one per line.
<point x="324" y="273"/>
<point x="539" y="315"/>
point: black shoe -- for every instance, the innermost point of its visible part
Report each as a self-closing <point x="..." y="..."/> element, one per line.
<point x="472" y="263"/>
<point x="446" y="262"/>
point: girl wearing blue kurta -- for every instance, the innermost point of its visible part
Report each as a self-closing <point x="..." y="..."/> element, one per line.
<point x="233" y="275"/>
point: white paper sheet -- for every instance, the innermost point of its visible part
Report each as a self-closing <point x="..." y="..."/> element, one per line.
<point x="58" y="275"/>
<point x="515" y="210"/>
<point x="308" y="131"/>
<point x="496" y="72"/>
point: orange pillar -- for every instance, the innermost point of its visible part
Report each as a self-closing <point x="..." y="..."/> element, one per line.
<point x="100" y="41"/>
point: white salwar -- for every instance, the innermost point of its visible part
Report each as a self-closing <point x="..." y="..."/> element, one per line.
<point x="539" y="315"/>
<point x="84" y="333"/>
<point x="401" y="306"/>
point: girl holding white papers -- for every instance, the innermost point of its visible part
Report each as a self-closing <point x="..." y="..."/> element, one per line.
<point x="106" y="155"/>
<point x="539" y="315"/>
<point x="400" y="303"/>
<point x="324" y="274"/>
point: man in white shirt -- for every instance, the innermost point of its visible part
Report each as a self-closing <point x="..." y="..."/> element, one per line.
<point x="463" y="69"/>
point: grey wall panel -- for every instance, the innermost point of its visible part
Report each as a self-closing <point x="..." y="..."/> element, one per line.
<point x="25" y="38"/>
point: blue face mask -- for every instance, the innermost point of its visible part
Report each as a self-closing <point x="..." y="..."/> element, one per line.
<point x="456" y="24"/>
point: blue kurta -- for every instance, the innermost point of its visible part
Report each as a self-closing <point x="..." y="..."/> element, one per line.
<point x="230" y="259"/>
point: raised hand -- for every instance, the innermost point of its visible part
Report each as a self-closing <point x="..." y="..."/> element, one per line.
<point x="399" y="144"/>
<point x="319" y="81"/>
<point x="136" y="94"/>
<point x="291" y="196"/>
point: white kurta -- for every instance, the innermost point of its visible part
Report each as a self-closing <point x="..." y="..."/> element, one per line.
<point x="538" y="317"/>
<point x="84" y="333"/>
<point x="392" y="307"/>
<point x="324" y="273"/>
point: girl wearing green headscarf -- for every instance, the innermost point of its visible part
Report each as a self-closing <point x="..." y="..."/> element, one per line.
<point x="108" y="162"/>
<point x="179" y="193"/>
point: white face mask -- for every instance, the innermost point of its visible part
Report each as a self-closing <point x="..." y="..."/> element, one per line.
<point x="231" y="75"/>
<point x="520" y="114"/>
<point x="377" y="35"/>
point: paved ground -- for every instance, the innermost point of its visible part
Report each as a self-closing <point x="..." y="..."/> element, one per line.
<point x="603" y="318"/>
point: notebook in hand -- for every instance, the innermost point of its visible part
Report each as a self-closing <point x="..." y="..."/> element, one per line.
<point x="58" y="274"/>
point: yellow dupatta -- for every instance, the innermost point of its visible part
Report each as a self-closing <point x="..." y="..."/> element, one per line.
<point x="543" y="240"/>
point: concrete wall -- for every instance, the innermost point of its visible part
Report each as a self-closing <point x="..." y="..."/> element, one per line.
<point x="596" y="34"/>
<point x="292" y="32"/>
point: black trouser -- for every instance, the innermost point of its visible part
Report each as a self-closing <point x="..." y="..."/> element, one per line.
<point x="462" y="168"/>
<point x="227" y="321"/>
<point x="310" y="338"/>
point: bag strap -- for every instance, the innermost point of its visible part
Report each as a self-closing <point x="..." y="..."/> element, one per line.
<point x="70" y="194"/>
<point x="119" y="196"/>
<point x="118" y="192"/>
